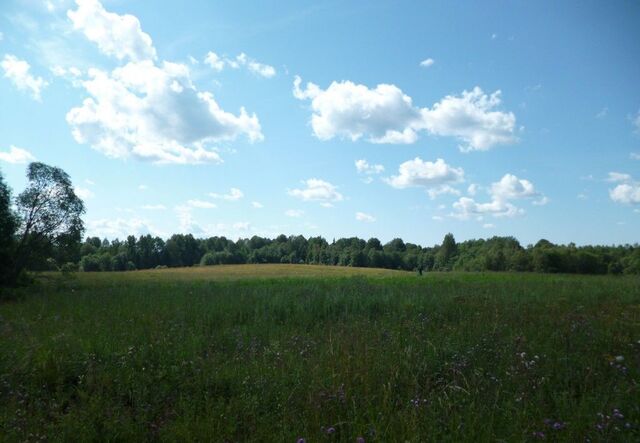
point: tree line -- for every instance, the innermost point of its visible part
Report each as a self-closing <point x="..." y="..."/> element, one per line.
<point x="493" y="254"/>
<point x="42" y="229"/>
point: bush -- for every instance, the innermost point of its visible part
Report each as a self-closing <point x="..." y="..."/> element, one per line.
<point x="208" y="259"/>
<point x="69" y="268"/>
<point x="90" y="263"/>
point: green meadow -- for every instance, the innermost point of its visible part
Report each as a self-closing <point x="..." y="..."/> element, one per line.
<point x="289" y="352"/>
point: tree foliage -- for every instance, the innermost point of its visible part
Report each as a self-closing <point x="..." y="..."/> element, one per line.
<point x="494" y="254"/>
<point x="50" y="214"/>
<point x="8" y="226"/>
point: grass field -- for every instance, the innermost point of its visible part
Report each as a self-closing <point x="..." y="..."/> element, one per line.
<point x="279" y="353"/>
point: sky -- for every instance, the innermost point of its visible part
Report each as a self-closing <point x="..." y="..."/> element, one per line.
<point x="367" y="118"/>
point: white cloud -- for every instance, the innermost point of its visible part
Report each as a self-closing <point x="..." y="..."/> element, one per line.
<point x="155" y="113"/>
<point x="116" y="35"/>
<point x="257" y="205"/>
<point x="381" y="115"/>
<point x="541" y="201"/>
<point x="387" y="115"/>
<point x="234" y="194"/>
<point x="431" y="175"/>
<point x="83" y="193"/>
<point x="364" y="217"/>
<point x="296" y="213"/>
<point x="471" y="118"/>
<point x="16" y="155"/>
<point x="627" y="192"/>
<point x="363" y="167"/>
<point x="17" y="71"/>
<point x="618" y="177"/>
<point x="261" y="69"/>
<point x="201" y="204"/>
<point x="317" y="190"/>
<point x="488" y="226"/>
<point x="472" y="189"/>
<point x="154" y="207"/>
<point x="218" y="64"/>
<point x="440" y="190"/>
<point x="121" y="228"/>
<point x="467" y="207"/>
<point x="509" y="188"/>
<point x="427" y="62"/>
<point x="213" y="60"/>
<point x="143" y="187"/>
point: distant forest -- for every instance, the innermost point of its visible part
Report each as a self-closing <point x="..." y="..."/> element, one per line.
<point x="494" y="254"/>
<point x="42" y="229"/>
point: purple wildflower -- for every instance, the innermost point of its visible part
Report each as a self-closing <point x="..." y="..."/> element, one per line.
<point x="301" y="440"/>
<point x="558" y="425"/>
<point x="331" y="430"/>
<point x="539" y="434"/>
<point x="360" y="440"/>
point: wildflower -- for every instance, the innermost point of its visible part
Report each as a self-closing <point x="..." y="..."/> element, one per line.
<point x="619" y="358"/>
<point x="617" y="414"/>
<point x="539" y="434"/>
<point x="301" y="440"/>
<point x="558" y="425"/>
<point x="331" y="430"/>
<point x="360" y="440"/>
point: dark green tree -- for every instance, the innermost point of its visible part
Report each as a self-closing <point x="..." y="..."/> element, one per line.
<point x="8" y="226"/>
<point x="50" y="215"/>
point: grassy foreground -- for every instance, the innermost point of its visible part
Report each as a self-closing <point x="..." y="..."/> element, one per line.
<point x="320" y="353"/>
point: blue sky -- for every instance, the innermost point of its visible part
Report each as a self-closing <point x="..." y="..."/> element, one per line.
<point x="385" y="119"/>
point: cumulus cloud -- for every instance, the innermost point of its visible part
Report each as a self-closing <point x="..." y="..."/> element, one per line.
<point x="218" y="63"/>
<point x="155" y="113"/>
<point x="212" y="59"/>
<point x="437" y="177"/>
<point x="627" y="192"/>
<point x="317" y="190"/>
<point x="201" y="204"/>
<point x="502" y="193"/>
<point x="364" y="217"/>
<point x="296" y="213"/>
<point x="427" y="62"/>
<point x="16" y="155"/>
<point x="147" y="109"/>
<point x="17" y="71"/>
<point x="116" y="35"/>
<point x="386" y="115"/>
<point x="468" y="207"/>
<point x="511" y="187"/>
<point x="472" y="119"/>
<point x="234" y="194"/>
<point x="363" y="167"/>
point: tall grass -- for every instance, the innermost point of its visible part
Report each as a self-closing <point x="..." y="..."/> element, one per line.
<point x="445" y="357"/>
